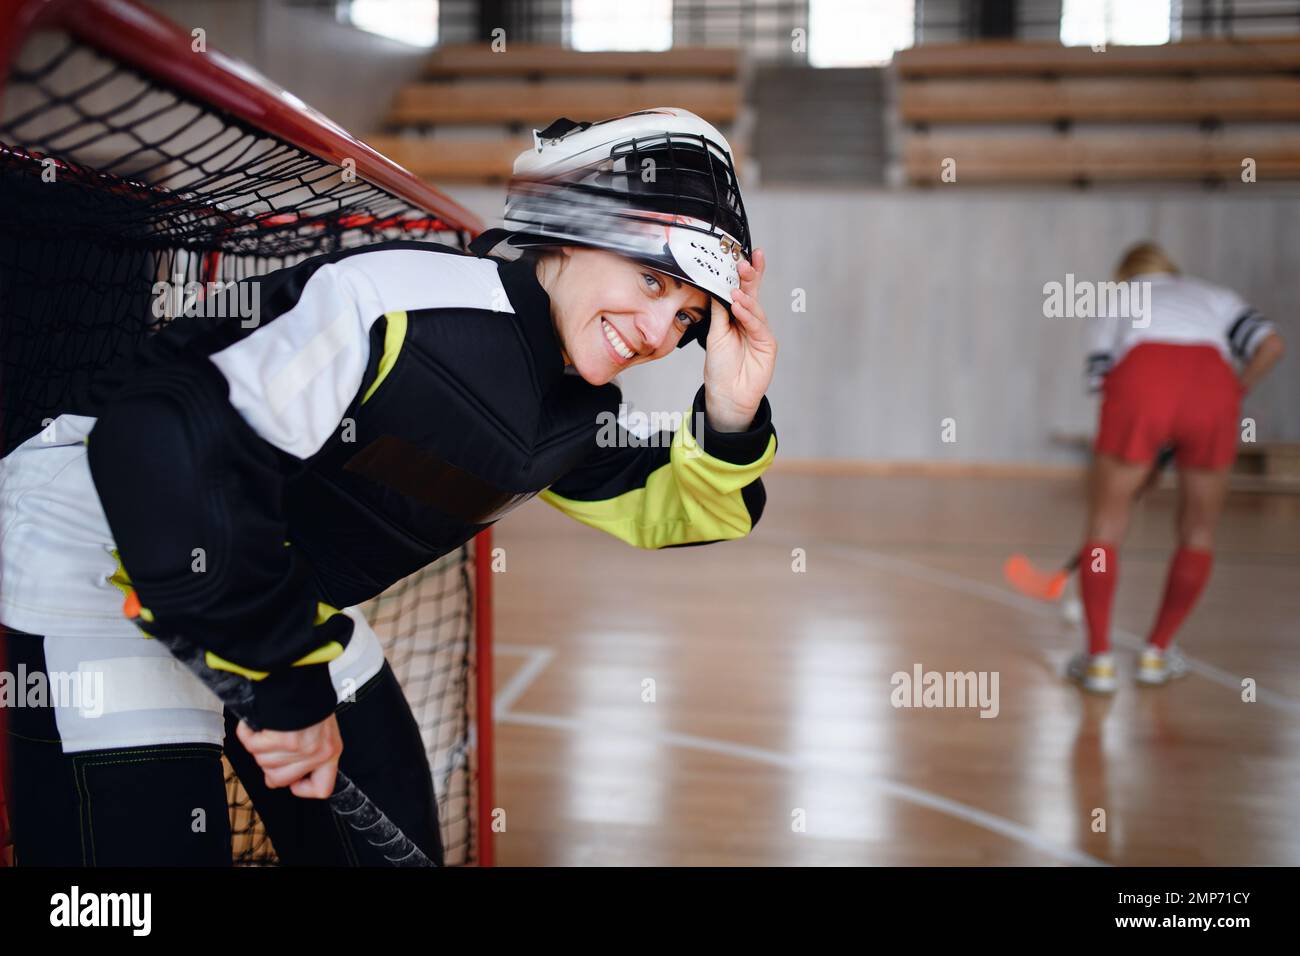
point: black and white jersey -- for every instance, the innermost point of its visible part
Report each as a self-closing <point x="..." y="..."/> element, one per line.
<point x="1184" y="311"/>
<point x="388" y="404"/>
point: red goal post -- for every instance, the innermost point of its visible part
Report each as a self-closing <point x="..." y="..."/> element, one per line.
<point x="112" y="96"/>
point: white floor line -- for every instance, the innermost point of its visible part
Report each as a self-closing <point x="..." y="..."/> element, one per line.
<point x="540" y="657"/>
<point x="908" y="794"/>
<point x="999" y="595"/>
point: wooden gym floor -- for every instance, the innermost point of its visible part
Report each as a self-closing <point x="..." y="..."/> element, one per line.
<point x="772" y="689"/>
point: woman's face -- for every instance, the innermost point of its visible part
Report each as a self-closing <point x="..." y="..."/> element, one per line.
<point x="612" y="313"/>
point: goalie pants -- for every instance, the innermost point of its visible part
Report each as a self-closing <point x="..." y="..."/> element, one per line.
<point x="165" y="804"/>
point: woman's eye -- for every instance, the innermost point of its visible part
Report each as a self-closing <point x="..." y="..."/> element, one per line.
<point x="687" y="318"/>
<point x="651" y="280"/>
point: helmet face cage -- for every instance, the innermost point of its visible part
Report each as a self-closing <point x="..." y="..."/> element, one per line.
<point x="642" y="197"/>
<point x="677" y="174"/>
<point x="682" y="173"/>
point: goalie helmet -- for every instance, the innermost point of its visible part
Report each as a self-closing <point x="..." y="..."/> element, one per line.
<point x="658" y="186"/>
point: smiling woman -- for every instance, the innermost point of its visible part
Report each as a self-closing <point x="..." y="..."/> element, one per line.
<point x="658" y="189"/>
<point x="612" y="313"/>
<point x="393" y="401"/>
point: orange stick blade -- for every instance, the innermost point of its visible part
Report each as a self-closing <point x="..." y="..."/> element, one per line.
<point x="1028" y="580"/>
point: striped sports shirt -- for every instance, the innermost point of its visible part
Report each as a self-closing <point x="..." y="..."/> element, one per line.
<point x="1182" y="310"/>
<point x="388" y="403"/>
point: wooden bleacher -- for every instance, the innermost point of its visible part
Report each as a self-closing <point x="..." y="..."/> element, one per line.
<point x="1047" y="58"/>
<point x="472" y="111"/>
<point x="477" y="160"/>
<point x="1102" y="99"/>
<point x="489" y="101"/>
<point x="537" y="61"/>
<point x="1110" y="157"/>
<point x="1027" y="111"/>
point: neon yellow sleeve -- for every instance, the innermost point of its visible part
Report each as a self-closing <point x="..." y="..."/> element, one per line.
<point x="690" y="485"/>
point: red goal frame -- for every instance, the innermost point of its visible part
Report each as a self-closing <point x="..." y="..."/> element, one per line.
<point x="129" y="32"/>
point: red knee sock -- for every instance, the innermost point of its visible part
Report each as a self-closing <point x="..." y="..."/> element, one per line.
<point x="1188" y="572"/>
<point x="1098" y="572"/>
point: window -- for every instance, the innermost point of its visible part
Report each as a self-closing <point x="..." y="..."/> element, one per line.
<point x="626" y="25"/>
<point x="853" y="33"/>
<point x="1133" y="22"/>
<point x="409" y="21"/>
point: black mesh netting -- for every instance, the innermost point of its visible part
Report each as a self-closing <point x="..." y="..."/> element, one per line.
<point x="111" y="183"/>
<point x="425" y="624"/>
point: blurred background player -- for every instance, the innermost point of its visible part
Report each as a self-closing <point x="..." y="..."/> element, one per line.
<point x="1167" y="378"/>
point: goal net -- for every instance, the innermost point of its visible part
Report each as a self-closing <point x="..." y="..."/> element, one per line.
<point x="127" y="159"/>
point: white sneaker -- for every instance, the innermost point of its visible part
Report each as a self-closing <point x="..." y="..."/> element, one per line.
<point x="1070" y="607"/>
<point x="1159" y="667"/>
<point x="1095" y="673"/>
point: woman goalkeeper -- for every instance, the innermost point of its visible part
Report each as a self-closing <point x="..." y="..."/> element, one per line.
<point x="251" y="486"/>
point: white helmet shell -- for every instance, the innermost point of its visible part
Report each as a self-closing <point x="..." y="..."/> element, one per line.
<point x="657" y="185"/>
<point x="582" y="146"/>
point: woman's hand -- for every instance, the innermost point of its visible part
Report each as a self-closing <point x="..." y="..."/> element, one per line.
<point x="740" y="356"/>
<point x="1268" y="353"/>
<point x="306" y="761"/>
